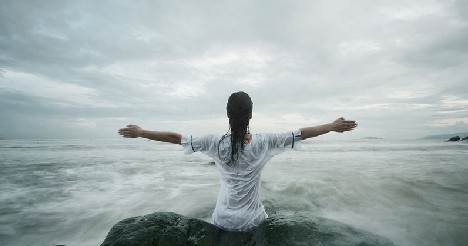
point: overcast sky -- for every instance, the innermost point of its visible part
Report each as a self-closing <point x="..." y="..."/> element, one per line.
<point x="83" y="69"/>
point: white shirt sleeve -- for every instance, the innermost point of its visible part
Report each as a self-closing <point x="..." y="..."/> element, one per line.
<point x="279" y="142"/>
<point x="205" y="144"/>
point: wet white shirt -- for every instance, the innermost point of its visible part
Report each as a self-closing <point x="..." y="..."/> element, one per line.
<point x="238" y="207"/>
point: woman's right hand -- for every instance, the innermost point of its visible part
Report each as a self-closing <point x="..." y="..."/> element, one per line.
<point x="131" y="131"/>
<point x="342" y="125"/>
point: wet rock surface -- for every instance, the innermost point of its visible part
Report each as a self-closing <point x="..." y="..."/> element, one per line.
<point x="293" y="229"/>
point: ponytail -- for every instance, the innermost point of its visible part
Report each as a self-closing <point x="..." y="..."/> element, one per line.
<point x="239" y="108"/>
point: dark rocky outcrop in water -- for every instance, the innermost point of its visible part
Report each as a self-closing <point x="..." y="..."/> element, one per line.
<point x="465" y="138"/>
<point x="298" y="229"/>
<point x="445" y="136"/>
<point x="453" y="139"/>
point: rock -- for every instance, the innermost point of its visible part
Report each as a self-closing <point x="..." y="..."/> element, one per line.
<point x="445" y="136"/>
<point x="169" y="229"/>
<point x="465" y="138"/>
<point x="452" y="139"/>
<point x="300" y="229"/>
<point x="297" y="229"/>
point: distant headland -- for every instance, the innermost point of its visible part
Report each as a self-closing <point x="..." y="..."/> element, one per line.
<point x="459" y="136"/>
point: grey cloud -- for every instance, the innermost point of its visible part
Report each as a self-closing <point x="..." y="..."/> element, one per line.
<point x="166" y="60"/>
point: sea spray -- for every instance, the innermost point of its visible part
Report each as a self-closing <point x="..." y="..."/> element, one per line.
<point x="72" y="192"/>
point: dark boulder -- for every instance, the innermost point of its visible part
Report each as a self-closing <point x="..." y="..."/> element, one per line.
<point x="465" y="138"/>
<point x="453" y="139"/>
<point x="300" y="229"/>
<point x="168" y="229"/>
<point x="296" y="229"/>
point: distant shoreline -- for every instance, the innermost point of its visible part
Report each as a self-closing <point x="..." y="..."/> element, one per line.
<point x="446" y="136"/>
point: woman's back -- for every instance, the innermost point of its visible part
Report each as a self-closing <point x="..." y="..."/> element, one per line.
<point x="238" y="207"/>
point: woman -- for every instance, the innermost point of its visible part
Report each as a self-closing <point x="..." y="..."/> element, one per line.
<point x="240" y="158"/>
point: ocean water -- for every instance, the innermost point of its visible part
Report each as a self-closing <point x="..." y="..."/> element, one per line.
<point x="71" y="192"/>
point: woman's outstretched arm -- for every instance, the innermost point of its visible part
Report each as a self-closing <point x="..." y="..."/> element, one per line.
<point x="339" y="125"/>
<point x="134" y="131"/>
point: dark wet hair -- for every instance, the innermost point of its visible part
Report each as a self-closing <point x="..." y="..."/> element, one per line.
<point x="239" y="107"/>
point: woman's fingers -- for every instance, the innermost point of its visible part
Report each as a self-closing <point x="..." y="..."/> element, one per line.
<point x="347" y="125"/>
<point x="128" y="132"/>
<point x="342" y="125"/>
<point x="348" y="122"/>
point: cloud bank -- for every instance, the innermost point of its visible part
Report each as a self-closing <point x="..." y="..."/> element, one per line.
<point x="83" y="69"/>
